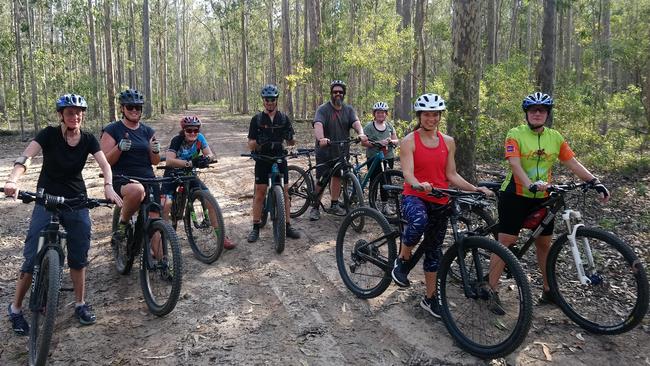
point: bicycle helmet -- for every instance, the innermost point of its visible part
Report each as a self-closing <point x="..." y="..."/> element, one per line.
<point x="380" y="106"/>
<point x="190" y="121"/>
<point x="429" y="102"/>
<point x="131" y="97"/>
<point x="537" y="98"/>
<point x="270" y="91"/>
<point x="340" y="83"/>
<point x="71" y="100"/>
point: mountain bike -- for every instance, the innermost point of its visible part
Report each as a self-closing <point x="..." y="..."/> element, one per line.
<point x="274" y="199"/>
<point x="301" y="189"/>
<point x="365" y="259"/>
<point x="377" y="197"/>
<point x="200" y="213"/>
<point x="595" y="277"/>
<point x="48" y="268"/>
<point x="157" y="244"/>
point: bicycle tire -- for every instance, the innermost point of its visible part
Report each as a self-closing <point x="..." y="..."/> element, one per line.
<point x="279" y="219"/>
<point x="588" y="305"/>
<point x="352" y="197"/>
<point x="479" y="220"/>
<point x="123" y="260"/>
<point x="169" y="273"/>
<point x="491" y="335"/>
<point x="390" y="176"/>
<point x="205" y="237"/>
<point x="44" y="308"/>
<point x="300" y="188"/>
<point x="363" y="266"/>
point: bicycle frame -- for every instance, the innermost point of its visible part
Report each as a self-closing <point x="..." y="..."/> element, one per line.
<point x="378" y="162"/>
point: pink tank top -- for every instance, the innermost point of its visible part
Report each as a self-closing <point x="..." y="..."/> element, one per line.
<point x="429" y="165"/>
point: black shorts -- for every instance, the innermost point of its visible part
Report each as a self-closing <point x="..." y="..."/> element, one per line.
<point x="263" y="169"/>
<point x="324" y="167"/>
<point x="119" y="183"/>
<point x="514" y="209"/>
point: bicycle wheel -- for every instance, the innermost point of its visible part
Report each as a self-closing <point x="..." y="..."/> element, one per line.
<point x="471" y="319"/>
<point x="479" y="220"/>
<point x="352" y="198"/>
<point x="204" y="226"/>
<point x="161" y="276"/>
<point x="365" y="258"/>
<point x="123" y="260"/>
<point x="387" y="207"/>
<point x="279" y="219"/>
<point x="44" y="307"/>
<point x="300" y="187"/>
<point x="615" y="299"/>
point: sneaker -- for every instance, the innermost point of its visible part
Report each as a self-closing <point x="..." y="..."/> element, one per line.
<point x="85" y="314"/>
<point x="337" y="210"/>
<point x="546" y="299"/>
<point x="254" y="235"/>
<point x="292" y="233"/>
<point x="495" y="305"/>
<point x="400" y="273"/>
<point x="387" y="210"/>
<point x="18" y="322"/>
<point x="119" y="235"/>
<point x="228" y="244"/>
<point x="431" y="305"/>
<point x="314" y="214"/>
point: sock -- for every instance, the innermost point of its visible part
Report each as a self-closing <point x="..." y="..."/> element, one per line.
<point x="334" y="203"/>
<point x="256" y="225"/>
<point x="15" y="310"/>
<point x="76" y="305"/>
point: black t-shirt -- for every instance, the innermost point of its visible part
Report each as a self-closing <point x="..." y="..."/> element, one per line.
<point x="270" y="134"/>
<point x="62" y="163"/>
<point x="136" y="161"/>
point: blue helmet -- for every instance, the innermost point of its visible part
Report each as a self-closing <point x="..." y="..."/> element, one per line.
<point x="131" y="97"/>
<point x="537" y="99"/>
<point x="270" y="91"/>
<point x="71" y="100"/>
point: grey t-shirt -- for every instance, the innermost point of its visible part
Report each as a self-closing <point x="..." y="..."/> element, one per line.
<point x="336" y="126"/>
<point x="375" y="135"/>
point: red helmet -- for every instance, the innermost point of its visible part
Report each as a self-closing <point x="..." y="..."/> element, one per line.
<point x="190" y="121"/>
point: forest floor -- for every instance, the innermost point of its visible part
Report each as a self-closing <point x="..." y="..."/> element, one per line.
<point x="254" y="306"/>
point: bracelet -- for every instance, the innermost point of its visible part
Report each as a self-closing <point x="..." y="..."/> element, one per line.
<point x="108" y="184"/>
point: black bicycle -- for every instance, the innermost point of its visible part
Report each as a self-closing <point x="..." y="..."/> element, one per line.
<point x="365" y="260"/>
<point x="595" y="277"/>
<point x="301" y="189"/>
<point x="200" y="213"/>
<point x="156" y="241"/>
<point x="48" y="270"/>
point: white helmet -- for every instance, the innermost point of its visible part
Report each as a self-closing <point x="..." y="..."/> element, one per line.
<point x="380" y="106"/>
<point x="429" y="102"/>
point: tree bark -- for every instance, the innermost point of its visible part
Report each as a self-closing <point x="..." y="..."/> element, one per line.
<point x="146" y="61"/>
<point x="420" y="15"/>
<point x="32" y="77"/>
<point x="118" y="49"/>
<point x="244" y="57"/>
<point x="273" y="77"/>
<point x="110" y="84"/>
<point x="514" y="22"/>
<point x="546" y="67"/>
<point x="133" y="80"/>
<point x="178" y="69"/>
<point x="305" y="55"/>
<point x="404" y="96"/>
<point x="491" y="55"/>
<point x="464" y="97"/>
<point x="286" y="58"/>
<point x="314" y="50"/>
<point x="92" y="50"/>
<point x="20" y="69"/>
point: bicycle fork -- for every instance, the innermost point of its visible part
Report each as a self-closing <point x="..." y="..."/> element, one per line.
<point x="567" y="215"/>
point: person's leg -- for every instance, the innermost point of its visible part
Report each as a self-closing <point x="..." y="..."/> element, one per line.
<point x="132" y="196"/>
<point x="433" y="239"/>
<point x="415" y="214"/>
<point x="542" y="247"/>
<point x="78" y="277"/>
<point x="78" y="227"/>
<point x="258" y="203"/>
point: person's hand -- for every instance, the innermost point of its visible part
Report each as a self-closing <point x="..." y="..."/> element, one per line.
<point x="539" y="186"/>
<point x="486" y="191"/>
<point x="154" y="145"/>
<point x="423" y="187"/>
<point x="363" y="138"/>
<point x="601" y="189"/>
<point x="323" y="142"/>
<point x="11" y="189"/>
<point x="203" y="162"/>
<point x="385" y="142"/>
<point x="110" y="194"/>
<point x="125" y="143"/>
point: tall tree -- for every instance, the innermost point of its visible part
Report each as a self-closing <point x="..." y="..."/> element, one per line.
<point x="403" y="96"/>
<point x="133" y="78"/>
<point x="273" y="78"/>
<point x="146" y="61"/>
<point x="20" y="69"/>
<point x="244" y="56"/>
<point x="92" y="51"/>
<point x="314" y="50"/>
<point x="491" y="54"/>
<point x="110" y="84"/>
<point x="32" y="77"/>
<point x="420" y="15"/>
<point x="514" y="22"/>
<point x="286" y="58"/>
<point x="546" y="67"/>
<point x="463" y="104"/>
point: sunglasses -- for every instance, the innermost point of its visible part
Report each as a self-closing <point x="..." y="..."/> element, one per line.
<point x="192" y="130"/>
<point x="133" y="107"/>
<point x="341" y="92"/>
<point x="270" y="100"/>
<point x="537" y="110"/>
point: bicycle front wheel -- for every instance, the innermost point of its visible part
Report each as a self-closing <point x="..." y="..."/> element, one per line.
<point x="161" y="270"/>
<point x="352" y="198"/>
<point x="44" y="307"/>
<point x="485" y="323"/>
<point x="365" y="258"/>
<point x="614" y="298"/>
<point x="204" y="226"/>
<point x="279" y="219"/>
<point x="123" y="260"/>
<point x="300" y="187"/>
<point x="382" y="201"/>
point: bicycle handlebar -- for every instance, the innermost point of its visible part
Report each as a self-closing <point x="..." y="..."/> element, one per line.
<point x="378" y="144"/>
<point x="52" y="202"/>
<point x="351" y="140"/>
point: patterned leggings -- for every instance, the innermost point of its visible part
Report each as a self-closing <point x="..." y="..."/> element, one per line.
<point x="426" y="218"/>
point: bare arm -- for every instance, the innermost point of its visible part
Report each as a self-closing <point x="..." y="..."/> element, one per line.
<point x="357" y="127"/>
<point x="172" y="162"/>
<point x="578" y="169"/>
<point x="11" y="186"/>
<point x="319" y="133"/>
<point x="109" y="193"/>
<point x="406" y="160"/>
<point x="109" y="148"/>
<point x="153" y="156"/>
<point x="252" y="145"/>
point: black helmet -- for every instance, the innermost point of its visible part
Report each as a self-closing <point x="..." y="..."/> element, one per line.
<point x="340" y="83"/>
<point x="131" y="97"/>
<point x="270" y="91"/>
<point x="71" y="100"/>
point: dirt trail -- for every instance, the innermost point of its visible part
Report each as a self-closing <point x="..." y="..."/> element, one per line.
<point x="256" y="307"/>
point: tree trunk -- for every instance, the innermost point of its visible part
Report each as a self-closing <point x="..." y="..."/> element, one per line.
<point x="184" y="57"/>
<point x="3" y="97"/>
<point x="420" y="12"/>
<point x="314" y="49"/>
<point x="404" y="96"/>
<point x="464" y="97"/>
<point x="606" y="59"/>
<point x="514" y="22"/>
<point x="568" y="48"/>
<point x="92" y="50"/>
<point x="133" y="81"/>
<point x="32" y="78"/>
<point x="491" y="56"/>
<point x="305" y="54"/>
<point x="146" y="61"/>
<point x="244" y="57"/>
<point x="178" y="70"/>
<point x="546" y="68"/>
<point x="162" y="64"/>
<point x="273" y="78"/>
<point x="529" y="34"/>
<point x="110" y="85"/>
<point x="286" y="58"/>
<point x="118" y="49"/>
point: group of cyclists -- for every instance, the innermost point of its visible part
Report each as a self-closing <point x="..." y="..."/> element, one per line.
<point x="128" y="147"/>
